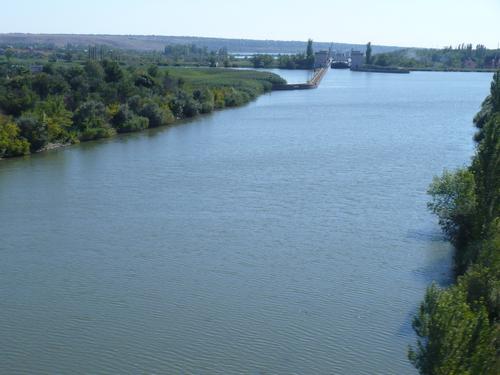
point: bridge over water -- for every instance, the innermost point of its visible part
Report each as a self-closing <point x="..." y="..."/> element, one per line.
<point x="312" y="83"/>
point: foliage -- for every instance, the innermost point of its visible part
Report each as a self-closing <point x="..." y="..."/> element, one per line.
<point x="368" y="54"/>
<point x="458" y="329"/>
<point x="53" y="112"/>
<point x="448" y="58"/>
<point x="296" y="61"/>
<point x="16" y="96"/>
<point x="133" y="123"/>
<point x="262" y="61"/>
<point x="455" y="337"/>
<point x="11" y="144"/>
<point x="309" y="49"/>
<point x="96" y="99"/>
<point x="34" y="130"/>
<point x="454" y="202"/>
<point x="156" y="116"/>
<point x="91" y="121"/>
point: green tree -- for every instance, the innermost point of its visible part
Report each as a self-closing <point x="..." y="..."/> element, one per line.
<point x="112" y="71"/>
<point x="90" y="121"/>
<point x="94" y="74"/>
<point x="368" y="54"/>
<point x="153" y="70"/>
<point x="126" y="121"/>
<point x="11" y="144"/>
<point x="309" y="60"/>
<point x="486" y="169"/>
<point x="458" y="328"/>
<point x="454" y="202"/>
<point x="453" y="336"/>
<point x="54" y="114"/>
<point x="16" y="96"/>
<point x="262" y="61"/>
<point x="309" y="49"/>
<point x="157" y="116"/>
<point x="34" y="131"/>
<point x="9" y="52"/>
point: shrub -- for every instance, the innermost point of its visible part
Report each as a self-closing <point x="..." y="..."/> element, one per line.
<point x="11" y="144"/>
<point x="34" y="131"/>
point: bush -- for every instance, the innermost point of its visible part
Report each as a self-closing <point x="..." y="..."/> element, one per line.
<point x="133" y="124"/>
<point x="16" y="96"/>
<point x="183" y="105"/>
<point x="11" y="144"/>
<point x="156" y="115"/>
<point x="454" y="337"/>
<point x="90" y="121"/>
<point x="34" y="131"/>
<point x="454" y="202"/>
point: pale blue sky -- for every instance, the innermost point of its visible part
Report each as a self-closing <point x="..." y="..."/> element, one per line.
<point x="426" y="23"/>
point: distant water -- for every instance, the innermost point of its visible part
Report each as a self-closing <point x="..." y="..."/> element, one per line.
<point x="289" y="236"/>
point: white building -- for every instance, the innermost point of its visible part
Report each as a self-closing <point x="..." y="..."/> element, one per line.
<point x="320" y="59"/>
<point x="357" y="59"/>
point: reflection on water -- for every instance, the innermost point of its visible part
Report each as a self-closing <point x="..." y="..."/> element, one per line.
<point x="287" y="236"/>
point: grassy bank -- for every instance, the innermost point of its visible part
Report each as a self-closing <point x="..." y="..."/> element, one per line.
<point x="64" y="104"/>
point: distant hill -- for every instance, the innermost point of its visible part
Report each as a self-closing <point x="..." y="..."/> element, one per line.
<point x="158" y="42"/>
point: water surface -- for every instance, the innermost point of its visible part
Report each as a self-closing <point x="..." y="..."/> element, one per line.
<point x="289" y="236"/>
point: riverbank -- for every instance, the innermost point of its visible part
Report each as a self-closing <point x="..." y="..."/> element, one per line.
<point x="451" y="70"/>
<point x="66" y="105"/>
<point x="380" y="69"/>
<point x="458" y="328"/>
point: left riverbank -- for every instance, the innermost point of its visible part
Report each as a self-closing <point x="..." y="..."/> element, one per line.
<point x="51" y="105"/>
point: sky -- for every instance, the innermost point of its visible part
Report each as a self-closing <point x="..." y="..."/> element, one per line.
<point x="417" y="23"/>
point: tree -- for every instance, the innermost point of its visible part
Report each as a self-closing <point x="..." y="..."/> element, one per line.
<point x="309" y="60"/>
<point x="486" y="169"/>
<point x="11" y="144"/>
<point x="262" y="61"/>
<point x="309" y="49"/>
<point x="453" y="336"/>
<point x="112" y="71"/>
<point x="125" y="121"/>
<point x="94" y="74"/>
<point x="495" y="92"/>
<point x="16" y="96"/>
<point x="453" y="201"/>
<point x="54" y="114"/>
<point x="457" y="328"/>
<point x="368" y="53"/>
<point x="9" y="52"/>
<point x="34" y="131"/>
<point x="157" y="116"/>
<point x="184" y="105"/>
<point x="153" y="70"/>
<point x="90" y="121"/>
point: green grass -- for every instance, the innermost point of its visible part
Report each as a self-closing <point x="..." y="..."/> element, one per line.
<point x="222" y="77"/>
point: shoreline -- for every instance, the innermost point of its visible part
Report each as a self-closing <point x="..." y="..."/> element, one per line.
<point x="160" y="99"/>
<point x="178" y="121"/>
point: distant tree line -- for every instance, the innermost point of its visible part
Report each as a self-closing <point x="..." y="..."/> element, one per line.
<point x="296" y="61"/>
<point x="173" y="55"/>
<point x="177" y="54"/>
<point x="458" y="328"/>
<point x="464" y="56"/>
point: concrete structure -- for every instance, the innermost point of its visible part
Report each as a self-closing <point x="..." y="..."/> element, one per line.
<point x="339" y="56"/>
<point x="321" y="59"/>
<point x="357" y="59"/>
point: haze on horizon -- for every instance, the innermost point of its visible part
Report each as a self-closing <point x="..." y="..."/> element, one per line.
<point x="426" y="23"/>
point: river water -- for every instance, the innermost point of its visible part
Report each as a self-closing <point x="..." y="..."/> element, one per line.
<point x="289" y="236"/>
